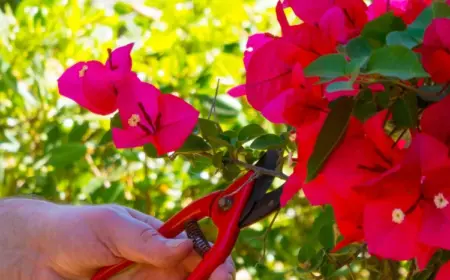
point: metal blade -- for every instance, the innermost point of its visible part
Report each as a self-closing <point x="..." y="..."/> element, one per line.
<point x="263" y="208"/>
<point x="268" y="161"/>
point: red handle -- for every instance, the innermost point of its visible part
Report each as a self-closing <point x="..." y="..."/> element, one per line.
<point x="173" y="227"/>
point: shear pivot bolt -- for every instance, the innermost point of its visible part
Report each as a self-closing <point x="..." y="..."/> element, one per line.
<point x="225" y="203"/>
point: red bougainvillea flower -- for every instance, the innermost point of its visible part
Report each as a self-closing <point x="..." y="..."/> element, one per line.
<point x="348" y="213"/>
<point x="424" y="255"/>
<point x="401" y="205"/>
<point x="436" y="50"/>
<point x="151" y="117"/>
<point x="92" y="84"/>
<point x="306" y="137"/>
<point x="408" y="10"/>
<point x="444" y="272"/>
<point x="431" y="121"/>
<point x="392" y="218"/>
<point x="343" y="19"/>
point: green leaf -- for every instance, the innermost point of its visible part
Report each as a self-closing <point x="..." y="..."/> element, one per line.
<point x="375" y="31"/>
<point x="383" y="99"/>
<point x="250" y="132"/>
<point x="218" y="142"/>
<point x="338" y="86"/>
<point x="66" y="154"/>
<point x="267" y="141"/>
<point x="231" y="172"/>
<point x="327" y="270"/>
<point x="217" y="160"/>
<point x="396" y="61"/>
<point x="330" y="135"/>
<point x="440" y="10"/>
<point x="404" y="111"/>
<point x="327" y="66"/>
<point x="150" y="150"/>
<point x="358" y="47"/>
<point x="194" y="144"/>
<point x="106" y="138"/>
<point x="309" y="259"/>
<point x="306" y="253"/>
<point x="417" y="28"/>
<point x="326" y="236"/>
<point x="365" y="107"/>
<point x="401" y="38"/>
<point x="115" y="121"/>
<point x="78" y="131"/>
<point x="208" y="127"/>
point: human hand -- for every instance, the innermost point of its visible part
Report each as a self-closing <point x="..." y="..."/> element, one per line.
<point x="46" y="241"/>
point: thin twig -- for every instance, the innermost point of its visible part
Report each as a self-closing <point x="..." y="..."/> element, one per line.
<point x="352" y="275"/>
<point x="261" y="170"/>
<point x="92" y="165"/>
<point x="412" y="268"/>
<point x="213" y="106"/>
<point x="264" y="237"/>
<point x="399" y="138"/>
<point x="444" y="88"/>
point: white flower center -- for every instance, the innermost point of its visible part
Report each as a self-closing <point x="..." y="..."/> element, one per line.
<point x="398" y="216"/>
<point x="82" y="71"/>
<point x="440" y="201"/>
<point x="134" y="120"/>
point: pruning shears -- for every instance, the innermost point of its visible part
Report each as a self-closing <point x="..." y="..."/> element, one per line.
<point x="241" y="204"/>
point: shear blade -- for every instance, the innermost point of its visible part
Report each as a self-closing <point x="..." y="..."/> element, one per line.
<point x="268" y="161"/>
<point x="263" y="208"/>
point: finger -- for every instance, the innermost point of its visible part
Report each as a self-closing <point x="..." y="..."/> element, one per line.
<point x="223" y="272"/>
<point x="139" y="242"/>
<point x="152" y="221"/>
<point x="193" y="259"/>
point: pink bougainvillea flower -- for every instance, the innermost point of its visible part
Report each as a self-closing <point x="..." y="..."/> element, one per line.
<point x="151" y="117"/>
<point x="444" y="272"/>
<point x="408" y="10"/>
<point x="436" y="50"/>
<point x="254" y="42"/>
<point x="270" y="76"/>
<point x="92" y="84"/>
<point x="310" y="11"/>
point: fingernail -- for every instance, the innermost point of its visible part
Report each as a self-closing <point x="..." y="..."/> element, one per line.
<point x="173" y="243"/>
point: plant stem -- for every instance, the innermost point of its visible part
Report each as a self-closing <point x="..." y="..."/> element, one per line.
<point x="257" y="169"/>
<point x="261" y="170"/>
<point x="444" y="88"/>
<point x="213" y="106"/>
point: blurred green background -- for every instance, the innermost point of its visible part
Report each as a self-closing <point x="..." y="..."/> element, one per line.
<point x="52" y="149"/>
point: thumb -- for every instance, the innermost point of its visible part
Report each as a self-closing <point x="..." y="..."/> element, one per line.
<point x="139" y="242"/>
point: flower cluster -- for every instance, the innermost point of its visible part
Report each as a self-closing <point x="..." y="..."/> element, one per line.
<point x="147" y="115"/>
<point x="392" y="195"/>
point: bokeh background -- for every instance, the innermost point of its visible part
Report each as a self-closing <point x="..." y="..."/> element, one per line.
<point x="52" y="149"/>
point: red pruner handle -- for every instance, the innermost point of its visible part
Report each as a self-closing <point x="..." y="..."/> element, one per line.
<point x="197" y="210"/>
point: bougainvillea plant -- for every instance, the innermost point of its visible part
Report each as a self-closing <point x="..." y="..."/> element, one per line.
<point x="363" y="91"/>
